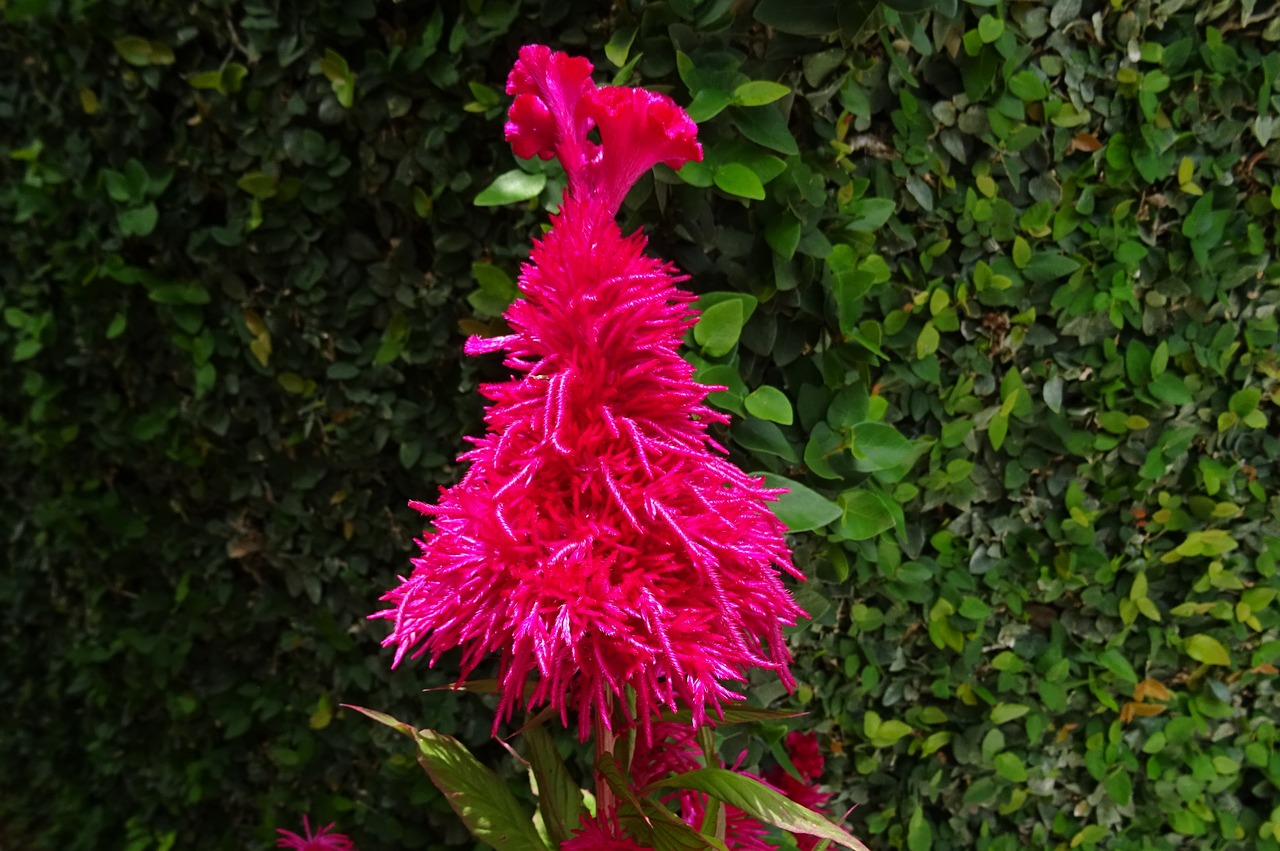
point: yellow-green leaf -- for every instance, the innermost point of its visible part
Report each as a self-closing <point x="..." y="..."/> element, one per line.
<point x="1206" y="649"/>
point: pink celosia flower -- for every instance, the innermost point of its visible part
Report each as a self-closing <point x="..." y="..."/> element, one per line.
<point x="601" y="833"/>
<point x="806" y="756"/>
<point x="599" y="539"/>
<point x="673" y="749"/>
<point x="322" y="840"/>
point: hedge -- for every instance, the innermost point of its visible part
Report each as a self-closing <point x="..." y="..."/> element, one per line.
<point x="992" y="287"/>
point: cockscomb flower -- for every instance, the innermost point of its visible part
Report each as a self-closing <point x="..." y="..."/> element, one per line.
<point x="599" y="540"/>
<point x="672" y="749"/>
<point x="806" y="755"/>
<point x="600" y="833"/>
<point x="322" y="840"/>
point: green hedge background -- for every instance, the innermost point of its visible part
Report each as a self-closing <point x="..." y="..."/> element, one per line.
<point x="994" y="284"/>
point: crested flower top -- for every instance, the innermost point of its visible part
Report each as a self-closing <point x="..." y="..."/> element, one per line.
<point x="557" y="105"/>
<point x="600" y="543"/>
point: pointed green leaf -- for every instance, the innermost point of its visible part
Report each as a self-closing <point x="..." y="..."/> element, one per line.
<point x="800" y="508"/>
<point x="479" y="796"/>
<point x="140" y="221"/>
<point x="737" y="179"/>
<point x="1207" y="649"/>
<point x="758" y="800"/>
<point x="919" y="832"/>
<point x="765" y="126"/>
<point x="759" y="93"/>
<point x="769" y="403"/>
<point x="719" y="327"/>
<point x="510" y="187"/>
<point x="559" y="798"/>
<point x="880" y="446"/>
<point x="865" y="516"/>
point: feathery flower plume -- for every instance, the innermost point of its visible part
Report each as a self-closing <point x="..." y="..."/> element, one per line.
<point x="599" y="539"/>
<point x="322" y="840"/>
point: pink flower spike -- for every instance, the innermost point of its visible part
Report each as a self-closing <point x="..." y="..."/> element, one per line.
<point x="322" y="840"/>
<point x="600" y="544"/>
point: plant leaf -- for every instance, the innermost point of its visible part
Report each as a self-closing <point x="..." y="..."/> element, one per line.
<point x="511" y="187"/>
<point x="758" y="800"/>
<point x="559" y="798"/>
<point x="479" y="796"/>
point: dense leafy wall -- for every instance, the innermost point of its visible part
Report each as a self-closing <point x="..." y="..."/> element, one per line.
<point x="994" y="285"/>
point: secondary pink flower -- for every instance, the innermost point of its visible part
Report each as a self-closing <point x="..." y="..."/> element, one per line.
<point x="600" y="834"/>
<point x="322" y="840"/>
<point x="673" y="749"/>
<point x="806" y="756"/>
<point x="599" y="540"/>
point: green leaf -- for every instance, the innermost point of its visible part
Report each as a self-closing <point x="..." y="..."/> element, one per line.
<point x="559" y="798"/>
<point x="1028" y="86"/>
<point x="769" y="403"/>
<point x="1002" y="713"/>
<point x="295" y="384"/>
<point x="27" y="349"/>
<point x="737" y="179"/>
<point x="997" y="430"/>
<point x="990" y="28"/>
<point x="1115" y="662"/>
<point x="919" y="831"/>
<point x="496" y="292"/>
<point x="619" y="45"/>
<point x="259" y="185"/>
<point x="761" y="802"/>
<point x="764" y="438"/>
<point x="782" y="232"/>
<point x="869" y="214"/>
<point x="1245" y="402"/>
<point x="765" y="126"/>
<point x="884" y="734"/>
<point x="134" y="50"/>
<point x="140" y="221"/>
<point x="478" y="795"/>
<point x="1048" y="266"/>
<point x="865" y="516"/>
<point x="799" y="17"/>
<point x="800" y="508"/>
<point x="880" y="446"/>
<point x="1119" y="786"/>
<point x="927" y="341"/>
<point x="707" y="104"/>
<point x="1010" y="767"/>
<point x="759" y="93"/>
<point x="511" y="187"/>
<point x="189" y="293"/>
<point x="1206" y="649"/>
<point x="719" y="327"/>
<point x="1169" y="388"/>
<point x="1160" y="360"/>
